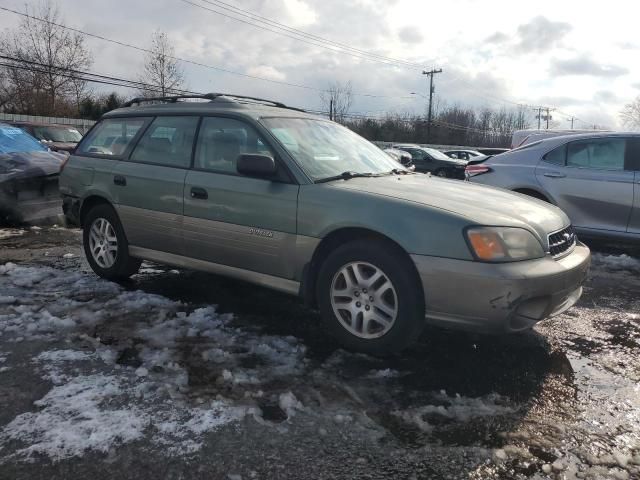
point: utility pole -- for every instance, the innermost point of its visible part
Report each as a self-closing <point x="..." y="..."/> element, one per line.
<point x="432" y="89"/>
<point x="331" y="109"/>
<point x="571" y="120"/>
<point x="541" y="117"/>
<point x="548" y="117"/>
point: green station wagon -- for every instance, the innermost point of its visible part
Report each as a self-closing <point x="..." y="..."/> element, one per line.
<point x="261" y="192"/>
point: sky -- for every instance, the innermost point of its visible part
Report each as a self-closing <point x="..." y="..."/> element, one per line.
<point x="579" y="57"/>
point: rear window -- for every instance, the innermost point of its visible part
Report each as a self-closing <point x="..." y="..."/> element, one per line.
<point x="111" y="137"/>
<point x="57" y="134"/>
<point x="13" y="139"/>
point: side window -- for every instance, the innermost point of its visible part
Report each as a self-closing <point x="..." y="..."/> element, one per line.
<point x="222" y="140"/>
<point x="600" y="153"/>
<point x="111" y="137"/>
<point x="633" y="154"/>
<point x="557" y="156"/>
<point x="168" y="141"/>
<point x="418" y="155"/>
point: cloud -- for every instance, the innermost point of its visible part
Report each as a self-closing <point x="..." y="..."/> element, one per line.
<point x="560" y="101"/>
<point x="636" y="85"/>
<point x="628" y="46"/>
<point x="266" y="71"/>
<point x="540" y="34"/>
<point x="410" y="34"/>
<point x="498" y="37"/>
<point x="583" y="65"/>
<point x="605" y="96"/>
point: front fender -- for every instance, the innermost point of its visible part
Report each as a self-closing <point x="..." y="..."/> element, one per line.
<point x="418" y="229"/>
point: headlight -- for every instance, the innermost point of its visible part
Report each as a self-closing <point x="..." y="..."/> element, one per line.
<point x="503" y="244"/>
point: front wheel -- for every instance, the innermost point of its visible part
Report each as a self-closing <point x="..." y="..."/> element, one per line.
<point x="106" y="246"/>
<point x="370" y="298"/>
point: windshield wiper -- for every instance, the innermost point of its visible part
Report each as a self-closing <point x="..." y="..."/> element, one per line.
<point x="346" y="176"/>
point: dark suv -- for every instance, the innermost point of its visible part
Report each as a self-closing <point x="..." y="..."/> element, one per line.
<point x="434" y="161"/>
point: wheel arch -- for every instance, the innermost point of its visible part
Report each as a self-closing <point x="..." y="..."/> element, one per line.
<point x="333" y="240"/>
<point x="89" y="202"/>
<point x="535" y="193"/>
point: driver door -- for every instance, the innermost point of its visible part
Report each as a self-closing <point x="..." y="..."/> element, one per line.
<point x="231" y="219"/>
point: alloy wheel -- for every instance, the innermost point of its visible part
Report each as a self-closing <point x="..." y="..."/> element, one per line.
<point x="364" y="300"/>
<point x="103" y="243"/>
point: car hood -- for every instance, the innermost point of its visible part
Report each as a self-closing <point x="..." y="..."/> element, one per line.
<point x="480" y="204"/>
<point x="62" y="146"/>
<point x="20" y="165"/>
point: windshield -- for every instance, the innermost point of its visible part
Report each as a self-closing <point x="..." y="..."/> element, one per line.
<point x="57" y="134"/>
<point x="13" y="139"/>
<point x="436" y="154"/>
<point x="324" y="149"/>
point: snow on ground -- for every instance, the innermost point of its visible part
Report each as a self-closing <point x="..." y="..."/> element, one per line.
<point x="138" y="366"/>
<point x="98" y="411"/>
<point x="10" y="232"/>
<point x="617" y="262"/>
<point x="461" y="409"/>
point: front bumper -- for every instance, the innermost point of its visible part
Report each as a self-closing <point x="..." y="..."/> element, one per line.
<point x="502" y="297"/>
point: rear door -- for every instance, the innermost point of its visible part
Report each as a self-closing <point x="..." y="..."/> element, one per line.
<point x="234" y="220"/>
<point x="590" y="180"/>
<point x="633" y="159"/>
<point x="148" y="186"/>
<point x="421" y="160"/>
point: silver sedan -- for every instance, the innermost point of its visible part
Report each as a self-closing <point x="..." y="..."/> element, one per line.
<point x="594" y="178"/>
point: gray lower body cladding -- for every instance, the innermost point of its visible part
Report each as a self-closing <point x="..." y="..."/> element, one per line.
<point x="500" y="298"/>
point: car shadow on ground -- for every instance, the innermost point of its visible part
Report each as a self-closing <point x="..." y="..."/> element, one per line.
<point x="496" y="378"/>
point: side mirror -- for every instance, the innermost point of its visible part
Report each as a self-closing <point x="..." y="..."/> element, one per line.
<point x="256" y="165"/>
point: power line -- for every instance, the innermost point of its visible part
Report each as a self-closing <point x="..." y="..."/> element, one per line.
<point x="300" y="35"/>
<point x="184" y="60"/>
<point x="37" y="67"/>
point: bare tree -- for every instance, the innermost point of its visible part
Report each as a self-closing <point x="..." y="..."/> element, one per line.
<point x="337" y="100"/>
<point x="630" y="114"/>
<point x="46" y="58"/>
<point x="161" y="70"/>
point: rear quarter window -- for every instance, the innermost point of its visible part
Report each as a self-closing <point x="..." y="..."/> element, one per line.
<point x="557" y="156"/>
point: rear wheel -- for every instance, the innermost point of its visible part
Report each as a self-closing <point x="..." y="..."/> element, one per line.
<point x="369" y="297"/>
<point x="442" y="173"/>
<point x="106" y="246"/>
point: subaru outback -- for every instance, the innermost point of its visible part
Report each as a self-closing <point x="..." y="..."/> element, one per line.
<point x="254" y="190"/>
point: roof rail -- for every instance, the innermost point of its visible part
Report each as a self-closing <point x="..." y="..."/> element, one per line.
<point x="210" y="97"/>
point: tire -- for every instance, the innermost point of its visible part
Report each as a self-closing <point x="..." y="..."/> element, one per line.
<point x="110" y="264"/>
<point x="442" y="173"/>
<point x="405" y="293"/>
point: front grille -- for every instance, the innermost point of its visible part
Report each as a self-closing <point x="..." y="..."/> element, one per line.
<point x="562" y="242"/>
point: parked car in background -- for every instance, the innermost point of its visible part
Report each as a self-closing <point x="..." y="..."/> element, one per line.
<point x="492" y="150"/>
<point x="434" y="161"/>
<point x="402" y="157"/>
<point x="255" y="190"/>
<point x="520" y="138"/>
<point x="59" y="138"/>
<point x="28" y="178"/>
<point x="594" y="178"/>
<point x="462" y="154"/>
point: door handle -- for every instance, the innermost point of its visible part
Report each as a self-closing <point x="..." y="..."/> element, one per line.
<point x="199" y="193"/>
<point x="554" y="175"/>
<point x="120" y="180"/>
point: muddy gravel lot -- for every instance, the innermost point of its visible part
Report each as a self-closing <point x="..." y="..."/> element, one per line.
<point x="178" y="374"/>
